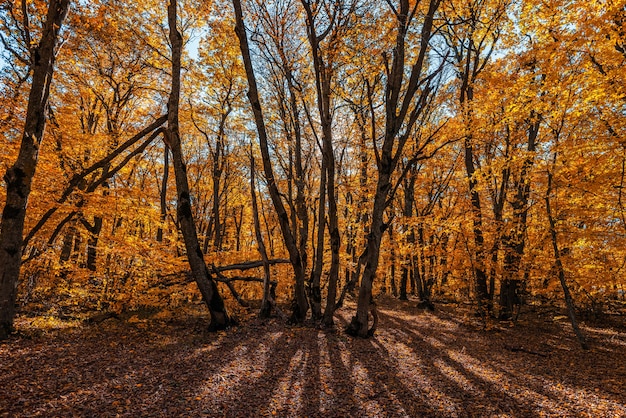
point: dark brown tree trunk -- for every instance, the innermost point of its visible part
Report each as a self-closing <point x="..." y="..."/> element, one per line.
<point x="407" y="213"/>
<point x="480" y="276"/>
<point x="92" y="242"/>
<point x="218" y="169"/>
<point x="166" y="174"/>
<point x="68" y="241"/>
<point x="301" y="305"/>
<point x="206" y="284"/>
<point x="19" y="177"/>
<point x="404" y="281"/>
<point x="392" y="262"/>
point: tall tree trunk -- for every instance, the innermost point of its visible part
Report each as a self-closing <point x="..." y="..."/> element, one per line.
<point x="480" y="276"/>
<point x="206" y="284"/>
<point x="473" y="42"/>
<point x="19" y="177"/>
<point x="218" y="168"/>
<point x="392" y="262"/>
<point x="301" y="305"/>
<point x="323" y="83"/>
<point x="323" y="80"/>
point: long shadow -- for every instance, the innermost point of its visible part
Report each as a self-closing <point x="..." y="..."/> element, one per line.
<point x="290" y="373"/>
<point x="159" y="370"/>
<point x="390" y="395"/>
<point x="531" y="373"/>
<point x="343" y="386"/>
<point x="466" y="398"/>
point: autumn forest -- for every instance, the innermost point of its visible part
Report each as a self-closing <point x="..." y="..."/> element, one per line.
<point x="330" y="168"/>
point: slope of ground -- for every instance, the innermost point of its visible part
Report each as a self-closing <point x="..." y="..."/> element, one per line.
<point x="419" y="364"/>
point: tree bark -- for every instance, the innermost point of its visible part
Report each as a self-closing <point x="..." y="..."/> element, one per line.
<point x="318" y="263"/>
<point x="206" y="284"/>
<point x="19" y="177"/>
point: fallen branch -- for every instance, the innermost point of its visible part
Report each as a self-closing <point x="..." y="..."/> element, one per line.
<point x="251" y="264"/>
<point x="516" y="349"/>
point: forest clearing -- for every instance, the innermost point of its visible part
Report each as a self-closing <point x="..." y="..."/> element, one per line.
<point x="419" y="364"/>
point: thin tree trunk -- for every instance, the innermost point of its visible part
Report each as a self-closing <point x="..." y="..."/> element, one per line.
<point x="569" y="301"/>
<point x="19" y="177"/>
<point x="323" y="78"/>
<point x="202" y="276"/>
<point x="267" y="303"/>
<point x="407" y="212"/>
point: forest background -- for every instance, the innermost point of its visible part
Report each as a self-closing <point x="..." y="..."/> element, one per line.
<point x="460" y="150"/>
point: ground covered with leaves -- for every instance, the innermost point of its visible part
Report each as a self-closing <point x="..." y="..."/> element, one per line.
<point x="445" y="363"/>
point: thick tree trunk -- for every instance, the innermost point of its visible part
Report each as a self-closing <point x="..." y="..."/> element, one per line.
<point x="206" y="284"/>
<point x="359" y="326"/>
<point x="301" y="305"/>
<point x="19" y="177"/>
<point x="68" y="242"/>
<point x="92" y="242"/>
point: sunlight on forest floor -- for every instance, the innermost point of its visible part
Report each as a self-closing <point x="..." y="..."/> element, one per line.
<point x="418" y="364"/>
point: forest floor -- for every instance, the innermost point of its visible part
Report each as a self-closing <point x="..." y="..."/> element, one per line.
<point x="419" y="364"/>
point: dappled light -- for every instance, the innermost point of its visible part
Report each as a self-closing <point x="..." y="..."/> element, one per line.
<point x="419" y="364"/>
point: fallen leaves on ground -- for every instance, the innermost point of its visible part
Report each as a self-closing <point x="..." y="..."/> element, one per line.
<point x="419" y="364"/>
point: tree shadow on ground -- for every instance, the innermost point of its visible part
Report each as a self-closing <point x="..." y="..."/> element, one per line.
<point x="418" y="364"/>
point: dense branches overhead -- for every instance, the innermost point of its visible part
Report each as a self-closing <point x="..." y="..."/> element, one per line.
<point x="463" y="149"/>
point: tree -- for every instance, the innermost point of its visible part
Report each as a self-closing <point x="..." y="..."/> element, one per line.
<point x="19" y="176"/>
<point x="202" y="276"/>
